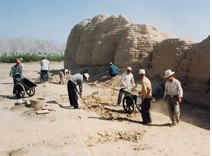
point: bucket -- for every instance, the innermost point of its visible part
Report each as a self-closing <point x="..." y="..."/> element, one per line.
<point x="37" y="103"/>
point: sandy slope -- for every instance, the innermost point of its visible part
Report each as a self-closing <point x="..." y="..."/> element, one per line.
<point x="103" y="130"/>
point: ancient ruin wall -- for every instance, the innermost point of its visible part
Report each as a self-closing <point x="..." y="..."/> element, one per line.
<point x="117" y="39"/>
<point x="105" y="39"/>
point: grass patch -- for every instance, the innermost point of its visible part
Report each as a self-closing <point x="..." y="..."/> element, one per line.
<point x="30" y="57"/>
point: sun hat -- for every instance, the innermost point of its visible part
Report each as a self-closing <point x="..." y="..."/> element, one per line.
<point x="142" y="71"/>
<point x="168" y="73"/>
<point x="86" y="75"/>
<point x="129" y="68"/>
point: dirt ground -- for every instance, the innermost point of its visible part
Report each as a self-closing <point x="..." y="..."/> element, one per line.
<point x="104" y="129"/>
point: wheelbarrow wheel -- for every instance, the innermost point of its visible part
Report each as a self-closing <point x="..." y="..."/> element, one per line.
<point x="19" y="90"/>
<point x="128" y="104"/>
<point x="30" y="92"/>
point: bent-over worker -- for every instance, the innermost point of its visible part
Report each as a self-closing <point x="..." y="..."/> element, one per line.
<point x="76" y="79"/>
<point x="62" y="75"/>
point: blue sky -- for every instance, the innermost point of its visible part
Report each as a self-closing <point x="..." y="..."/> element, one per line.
<point x="54" y="19"/>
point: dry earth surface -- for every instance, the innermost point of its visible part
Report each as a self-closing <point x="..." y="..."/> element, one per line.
<point x="104" y="129"/>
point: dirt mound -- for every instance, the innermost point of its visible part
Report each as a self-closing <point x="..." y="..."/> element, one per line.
<point x="113" y="136"/>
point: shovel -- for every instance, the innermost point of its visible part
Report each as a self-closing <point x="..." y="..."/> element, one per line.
<point x="83" y="100"/>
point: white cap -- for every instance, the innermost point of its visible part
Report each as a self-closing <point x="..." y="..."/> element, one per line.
<point x="142" y="71"/>
<point x="129" y="68"/>
<point x="66" y="70"/>
<point x="111" y="63"/>
<point x="168" y="73"/>
<point x="86" y="75"/>
<point x="21" y="59"/>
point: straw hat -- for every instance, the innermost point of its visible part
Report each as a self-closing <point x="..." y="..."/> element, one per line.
<point x="168" y="73"/>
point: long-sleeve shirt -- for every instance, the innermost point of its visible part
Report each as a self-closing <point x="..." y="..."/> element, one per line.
<point x="77" y="79"/>
<point x="127" y="80"/>
<point x="16" y="70"/>
<point x="146" y="87"/>
<point x="113" y="70"/>
<point x="173" y="88"/>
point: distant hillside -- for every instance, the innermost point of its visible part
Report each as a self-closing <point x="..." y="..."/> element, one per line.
<point x="21" y="46"/>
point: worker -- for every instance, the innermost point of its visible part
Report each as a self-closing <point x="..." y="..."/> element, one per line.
<point x="113" y="70"/>
<point x="62" y="75"/>
<point x="16" y="72"/>
<point x="146" y="93"/>
<point x="173" y="95"/>
<point x="76" y="79"/>
<point x="127" y="83"/>
<point x="44" y="75"/>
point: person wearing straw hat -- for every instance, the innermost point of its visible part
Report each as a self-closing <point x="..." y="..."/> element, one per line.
<point x="173" y="95"/>
<point x="146" y="93"/>
<point x="16" y="72"/>
<point x="76" y="80"/>
<point x="127" y="83"/>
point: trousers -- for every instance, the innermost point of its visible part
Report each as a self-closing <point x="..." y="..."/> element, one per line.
<point x="72" y="94"/>
<point x="44" y="76"/>
<point x="121" y="92"/>
<point x="145" y="110"/>
<point x="173" y="109"/>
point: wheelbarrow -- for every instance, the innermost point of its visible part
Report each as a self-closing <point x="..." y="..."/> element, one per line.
<point x="24" y="86"/>
<point x="132" y="100"/>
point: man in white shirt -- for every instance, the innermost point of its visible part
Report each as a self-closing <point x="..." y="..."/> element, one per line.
<point x="173" y="95"/>
<point x="127" y="83"/>
<point x="44" y="69"/>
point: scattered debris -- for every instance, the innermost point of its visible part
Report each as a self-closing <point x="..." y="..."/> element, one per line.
<point x="42" y="112"/>
<point x="108" y="136"/>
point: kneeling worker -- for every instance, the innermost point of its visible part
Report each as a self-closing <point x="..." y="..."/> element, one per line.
<point x="76" y="79"/>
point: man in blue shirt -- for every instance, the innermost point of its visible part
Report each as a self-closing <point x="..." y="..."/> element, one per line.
<point x="76" y="80"/>
<point x="113" y="70"/>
